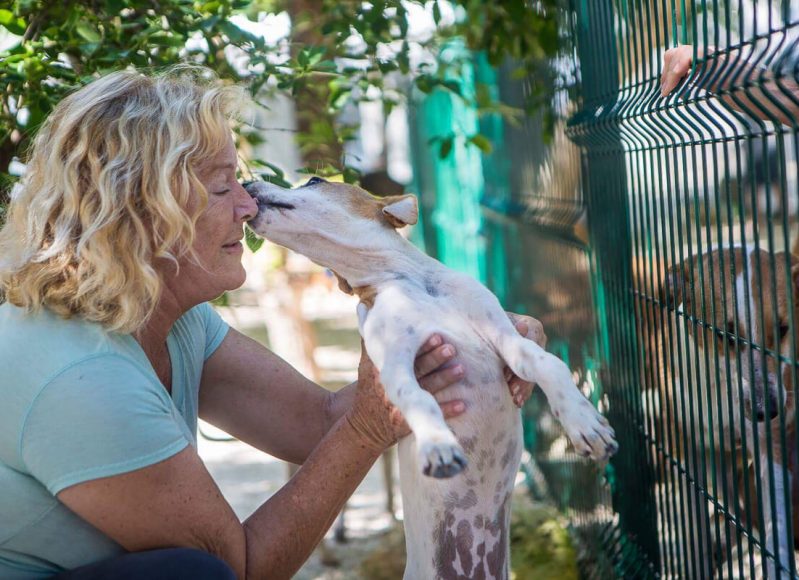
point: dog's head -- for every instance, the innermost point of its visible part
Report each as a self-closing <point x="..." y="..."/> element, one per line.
<point x="738" y="305"/>
<point x="329" y="221"/>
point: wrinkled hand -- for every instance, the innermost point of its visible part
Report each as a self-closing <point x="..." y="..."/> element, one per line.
<point x="676" y="64"/>
<point x="532" y="329"/>
<point x="377" y="419"/>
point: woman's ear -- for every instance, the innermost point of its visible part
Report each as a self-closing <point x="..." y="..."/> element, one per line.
<point x="401" y="210"/>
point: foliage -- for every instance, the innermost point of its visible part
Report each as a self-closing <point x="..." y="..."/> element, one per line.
<point x="540" y="545"/>
<point x="360" y="51"/>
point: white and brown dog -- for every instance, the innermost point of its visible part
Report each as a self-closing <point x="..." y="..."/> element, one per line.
<point x="731" y="389"/>
<point x="455" y="527"/>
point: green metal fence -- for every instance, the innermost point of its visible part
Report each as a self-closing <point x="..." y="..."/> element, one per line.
<point x="655" y="244"/>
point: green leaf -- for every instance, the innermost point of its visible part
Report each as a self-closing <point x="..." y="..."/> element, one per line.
<point x="252" y="240"/>
<point x="277" y="170"/>
<point x="446" y="147"/>
<point x="454" y="86"/>
<point x="481" y="142"/>
<point x="15" y="25"/>
<point x="351" y="175"/>
<point x="88" y="32"/>
<point x="221" y="300"/>
<point x="302" y="58"/>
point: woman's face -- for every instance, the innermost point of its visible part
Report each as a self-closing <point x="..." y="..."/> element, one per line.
<point x="220" y="228"/>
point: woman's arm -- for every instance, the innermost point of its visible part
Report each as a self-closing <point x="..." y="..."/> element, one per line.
<point x="176" y="502"/>
<point x="259" y="398"/>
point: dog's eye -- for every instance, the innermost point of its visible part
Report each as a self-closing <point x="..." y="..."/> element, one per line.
<point x="314" y="180"/>
<point x="784" y="331"/>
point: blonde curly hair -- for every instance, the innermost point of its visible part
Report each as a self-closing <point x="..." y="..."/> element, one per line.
<point x="109" y="179"/>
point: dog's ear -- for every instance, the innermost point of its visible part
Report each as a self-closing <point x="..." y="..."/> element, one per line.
<point x="343" y="285"/>
<point x="795" y="275"/>
<point x="401" y="210"/>
<point x="674" y="286"/>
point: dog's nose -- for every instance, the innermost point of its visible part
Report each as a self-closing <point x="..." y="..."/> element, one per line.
<point x="760" y="409"/>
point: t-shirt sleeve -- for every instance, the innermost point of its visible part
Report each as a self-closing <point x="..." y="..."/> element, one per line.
<point x="215" y="328"/>
<point x="100" y="417"/>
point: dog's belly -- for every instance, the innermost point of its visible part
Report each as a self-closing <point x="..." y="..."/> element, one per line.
<point x="459" y="526"/>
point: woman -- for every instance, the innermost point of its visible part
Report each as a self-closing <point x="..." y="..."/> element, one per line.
<point x="128" y="221"/>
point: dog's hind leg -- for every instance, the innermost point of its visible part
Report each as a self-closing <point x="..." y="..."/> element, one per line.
<point x="588" y="430"/>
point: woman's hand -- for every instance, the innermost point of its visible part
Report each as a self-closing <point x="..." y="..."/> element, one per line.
<point x="676" y="64"/>
<point x="377" y="419"/>
<point x="530" y="328"/>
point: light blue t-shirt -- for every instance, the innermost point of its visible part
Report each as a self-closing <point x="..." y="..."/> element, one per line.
<point x="78" y="403"/>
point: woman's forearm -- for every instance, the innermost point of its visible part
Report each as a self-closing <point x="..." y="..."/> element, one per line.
<point x="338" y="403"/>
<point x="764" y="96"/>
<point x="283" y="532"/>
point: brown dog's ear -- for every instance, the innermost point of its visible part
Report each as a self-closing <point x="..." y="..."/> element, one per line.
<point x="795" y="276"/>
<point x="401" y="210"/>
<point x="674" y="286"/>
<point x="343" y="285"/>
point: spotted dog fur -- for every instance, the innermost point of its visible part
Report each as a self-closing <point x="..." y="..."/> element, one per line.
<point x="455" y="527"/>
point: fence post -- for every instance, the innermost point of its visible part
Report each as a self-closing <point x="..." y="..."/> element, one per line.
<point x="605" y="188"/>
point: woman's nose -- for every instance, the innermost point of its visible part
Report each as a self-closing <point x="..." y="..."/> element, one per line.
<point x="247" y="207"/>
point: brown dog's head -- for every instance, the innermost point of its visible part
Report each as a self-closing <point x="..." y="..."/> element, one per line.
<point x="739" y="307"/>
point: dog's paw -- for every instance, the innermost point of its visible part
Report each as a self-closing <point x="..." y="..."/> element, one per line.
<point x="441" y="459"/>
<point x="590" y="433"/>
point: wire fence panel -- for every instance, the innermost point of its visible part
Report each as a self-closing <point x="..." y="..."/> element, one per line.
<point x="692" y="206"/>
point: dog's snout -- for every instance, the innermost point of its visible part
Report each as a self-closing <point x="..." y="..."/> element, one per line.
<point x="761" y="411"/>
<point x="249" y="187"/>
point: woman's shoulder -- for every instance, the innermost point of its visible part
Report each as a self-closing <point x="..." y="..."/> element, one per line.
<point x="37" y="345"/>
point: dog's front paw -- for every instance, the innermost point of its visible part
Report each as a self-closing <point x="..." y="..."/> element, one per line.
<point x="590" y="433"/>
<point x="441" y="459"/>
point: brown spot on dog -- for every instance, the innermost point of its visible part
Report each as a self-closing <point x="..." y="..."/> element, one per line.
<point x="478" y="524"/>
<point x="498" y="439"/>
<point x="510" y="452"/>
<point x="367" y="294"/>
<point x="446" y="549"/>
<point x="453" y="501"/>
<point x="431" y="288"/>
<point x="463" y="545"/>
<point x="469" y="443"/>
<point x="496" y="559"/>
